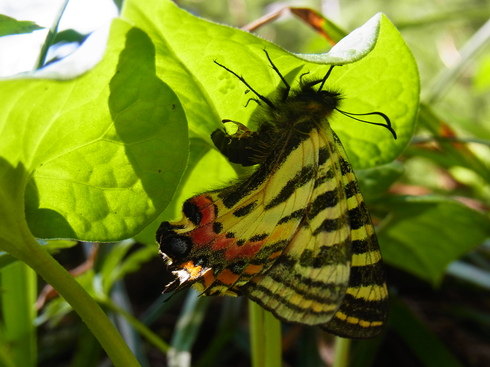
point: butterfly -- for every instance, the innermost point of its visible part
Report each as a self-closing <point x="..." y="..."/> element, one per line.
<point x="295" y="236"/>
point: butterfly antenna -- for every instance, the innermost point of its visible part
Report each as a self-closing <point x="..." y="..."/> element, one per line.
<point x="386" y="118"/>
<point x="261" y="97"/>
<point x="288" y="87"/>
<point x="322" y="81"/>
<point x="326" y="77"/>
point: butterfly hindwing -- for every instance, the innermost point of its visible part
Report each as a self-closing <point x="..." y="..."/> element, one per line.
<point x="308" y="280"/>
<point x="364" y="308"/>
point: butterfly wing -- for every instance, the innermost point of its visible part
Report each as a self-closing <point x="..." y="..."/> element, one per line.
<point x="364" y="308"/>
<point x="307" y="282"/>
<point x="331" y="272"/>
<point x="295" y="237"/>
<point x="228" y="236"/>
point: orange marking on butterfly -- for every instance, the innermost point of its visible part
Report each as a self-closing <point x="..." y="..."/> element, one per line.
<point x="203" y="236"/>
<point x="280" y="230"/>
<point x="193" y="270"/>
<point x="252" y="269"/>
<point x="221" y="243"/>
<point x="228" y="277"/>
<point x="208" y="278"/>
<point x="248" y="250"/>
<point x="274" y="255"/>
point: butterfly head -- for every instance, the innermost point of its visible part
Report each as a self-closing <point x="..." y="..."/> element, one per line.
<point x="321" y="102"/>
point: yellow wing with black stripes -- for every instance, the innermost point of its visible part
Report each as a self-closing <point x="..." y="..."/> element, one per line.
<point x="330" y="273"/>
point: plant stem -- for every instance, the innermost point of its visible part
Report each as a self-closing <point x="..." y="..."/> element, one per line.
<point x="90" y="312"/>
<point x="48" y="42"/>
<point x="342" y="347"/>
<point x="265" y="337"/>
<point x="18" y="284"/>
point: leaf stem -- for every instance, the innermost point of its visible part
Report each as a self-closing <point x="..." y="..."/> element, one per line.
<point x="18" y="284"/>
<point x="265" y="337"/>
<point x="342" y="346"/>
<point x="90" y="312"/>
<point x="50" y="37"/>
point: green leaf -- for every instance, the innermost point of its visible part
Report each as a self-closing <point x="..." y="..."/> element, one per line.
<point x="69" y="35"/>
<point x="424" y="234"/>
<point x="377" y="180"/>
<point x="55" y="245"/>
<point x="101" y="154"/>
<point x="129" y="151"/>
<point x="384" y="79"/>
<point x="9" y="26"/>
<point x="207" y="169"/>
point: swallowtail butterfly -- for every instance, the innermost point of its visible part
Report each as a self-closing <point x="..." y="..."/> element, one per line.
<point x="295" y="236"/>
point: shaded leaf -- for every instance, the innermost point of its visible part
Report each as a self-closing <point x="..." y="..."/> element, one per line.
<point x="377" y="180"/>
<point x="424" y="234"/>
